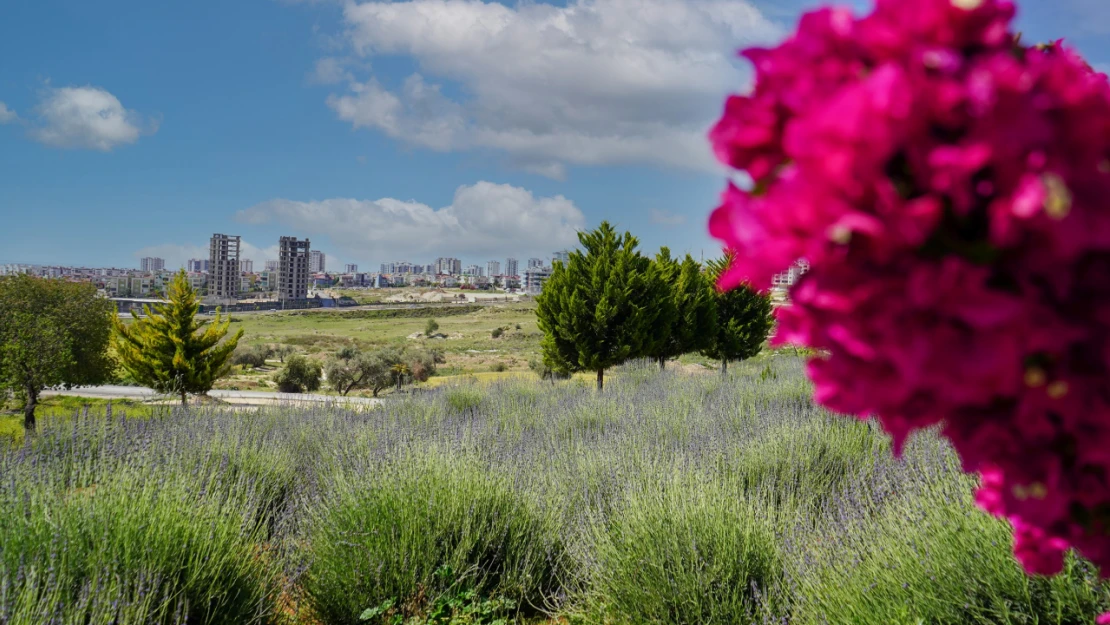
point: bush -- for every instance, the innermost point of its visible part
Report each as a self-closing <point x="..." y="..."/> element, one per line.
<point x="253" y="356"/>
<point x="498" y="367"/>
<point x="431" y="327"/>
<point x="134" y="551"/>
<point x="299" y="375"/>
<point x="421" y="527"/>
<point x="421" y="364"/>
<point x="688" y="551"/>
<point x="537" y="366"/>
<point x="497" y="332"/>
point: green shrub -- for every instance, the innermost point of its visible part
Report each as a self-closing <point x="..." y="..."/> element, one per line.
<point x="431" y="327"/>
<point x="915" y="548"/>
<point x="161" y="547"/>
<point x="299" y="375"/>
<point x="687" y="551"/>
<point x="426" y="527"/>
<point x="253" y="356"/>
<point x="462" y="398"/>
<point x="497" y="332"/>
<point x="498" y="367"/>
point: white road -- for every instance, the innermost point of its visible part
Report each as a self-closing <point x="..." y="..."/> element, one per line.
<point x="238" y="397"/>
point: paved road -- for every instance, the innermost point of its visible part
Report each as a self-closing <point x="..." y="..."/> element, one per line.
<point x="135" y="392"/>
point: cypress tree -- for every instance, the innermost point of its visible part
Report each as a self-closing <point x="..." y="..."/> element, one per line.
<point x="688" y="312"/>
<point x="599" y="309"/>
<point x="170" y="350"/>
<point x="743" y="318"/>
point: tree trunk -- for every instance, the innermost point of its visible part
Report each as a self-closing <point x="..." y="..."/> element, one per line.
<point x="29" y="410"/>
<point x="184" y="401"/>
<point x="662" y="363"/>
<point x="724" y="367"/>
<point x="600" y="379"/>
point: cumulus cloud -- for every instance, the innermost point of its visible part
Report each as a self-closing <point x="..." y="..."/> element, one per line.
<point x="88" y="117"/>
<point x="593" y="82"/>
<point x="665" y="218"/>
<point x="329" y="71"/>
<point x="6" y="114"/>
<point x="483" y="220"/>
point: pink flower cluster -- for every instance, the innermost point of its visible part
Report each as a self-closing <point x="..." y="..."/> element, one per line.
<point x="950" y="189"/>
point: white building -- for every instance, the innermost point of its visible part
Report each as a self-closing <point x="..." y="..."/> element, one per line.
<point x="561" y="257"/>
<point x="493" y="268"/>
<point x="317" y="262"/>
<point x="197" y="265"/>
<point x="350" y="269"/>
<point x="246" y="266"/>
<point x="272" y="265"/>
<point x="150" y="264"/>
<point x="535" y="278"/>
<point x="511" y="267"/>
<point x="790" y="277"/>
<point x="535" y="263"/>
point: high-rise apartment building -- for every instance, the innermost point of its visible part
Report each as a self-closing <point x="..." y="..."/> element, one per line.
<point x="473" y="270"/>
<point x="535" y="263"/>
<point x="246" y="266"/>
<point x="350" y="268"/>
<point x="511" y="267"/>
<point x="493" y="268"/>
<point x="317" y="261"/>
<point x="272" y="265"/>
<point x="150" y="264"/>
<point x="293" y="271"/>
<point x="448" y="266"/>
<point x="561" y="257"/>
<point x="223" y="266"/>
<point x="197" y="265"/>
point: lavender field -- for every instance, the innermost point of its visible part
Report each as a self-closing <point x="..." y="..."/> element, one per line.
<point x="667" y="498"/>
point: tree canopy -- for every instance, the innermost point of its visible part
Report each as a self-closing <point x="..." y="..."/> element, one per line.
<point x="688" y="311"/>
<point x="52" y="333"/>
<point x="170" y="350"/>
<point x="743" y="318"/>
<point x="598" y="309"/>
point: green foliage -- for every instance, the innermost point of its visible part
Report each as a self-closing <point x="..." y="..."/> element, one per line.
<point x="497" y="332"/>
<point x="431" y="327"/>
<point x="351" y="369"/>
<point x="710" y="551"/>
<point x="462" y="399"/>
<point x="52" y="333"/>
<point x="299" y="375"/>
<point x="743" y="318"/>
<point x="253" y="356"/>
<point x="446" y="525"/>
<point x="281" y="352"/>
<point x="461" y="608"/>
<point x="498" y="367"/>
<point x="540" y="367"/>
<point x="170" y="350"/>
<point x="690" y="309"/>
<point x="421" y="364"/>
<point x="599" y="309"/>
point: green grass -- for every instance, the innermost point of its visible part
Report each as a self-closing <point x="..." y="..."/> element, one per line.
<point x="468" y="346"/>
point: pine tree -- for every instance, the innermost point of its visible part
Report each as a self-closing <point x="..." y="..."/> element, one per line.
<point x="599" y="309"/>
<point x="743" y="318"/>
<point x="170" y="350"/>
<point x="688" y="313"/>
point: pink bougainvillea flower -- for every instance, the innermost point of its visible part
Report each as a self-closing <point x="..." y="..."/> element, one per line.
<point x="950" y="190"/>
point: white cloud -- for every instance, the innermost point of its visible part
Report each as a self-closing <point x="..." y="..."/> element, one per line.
<point x="88" y="117"/>
<point x="595" y="82"/>
<point x="665" y="218"/>
<point x="6" y="114"/>
<point x="483" y="220"/>
<point x="329" y="71"/>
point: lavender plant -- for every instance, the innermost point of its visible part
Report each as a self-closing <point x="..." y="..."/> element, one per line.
<point x="669" y="498"/>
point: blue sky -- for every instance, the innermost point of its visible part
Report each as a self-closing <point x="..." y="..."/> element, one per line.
<point x="381" y="130"/>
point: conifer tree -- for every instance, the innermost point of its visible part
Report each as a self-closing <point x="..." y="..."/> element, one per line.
<point x="743" y="318"/>
<point x="170" y="350"/>
<point x="688" y="312"/>
<point x="598" y="309"/>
